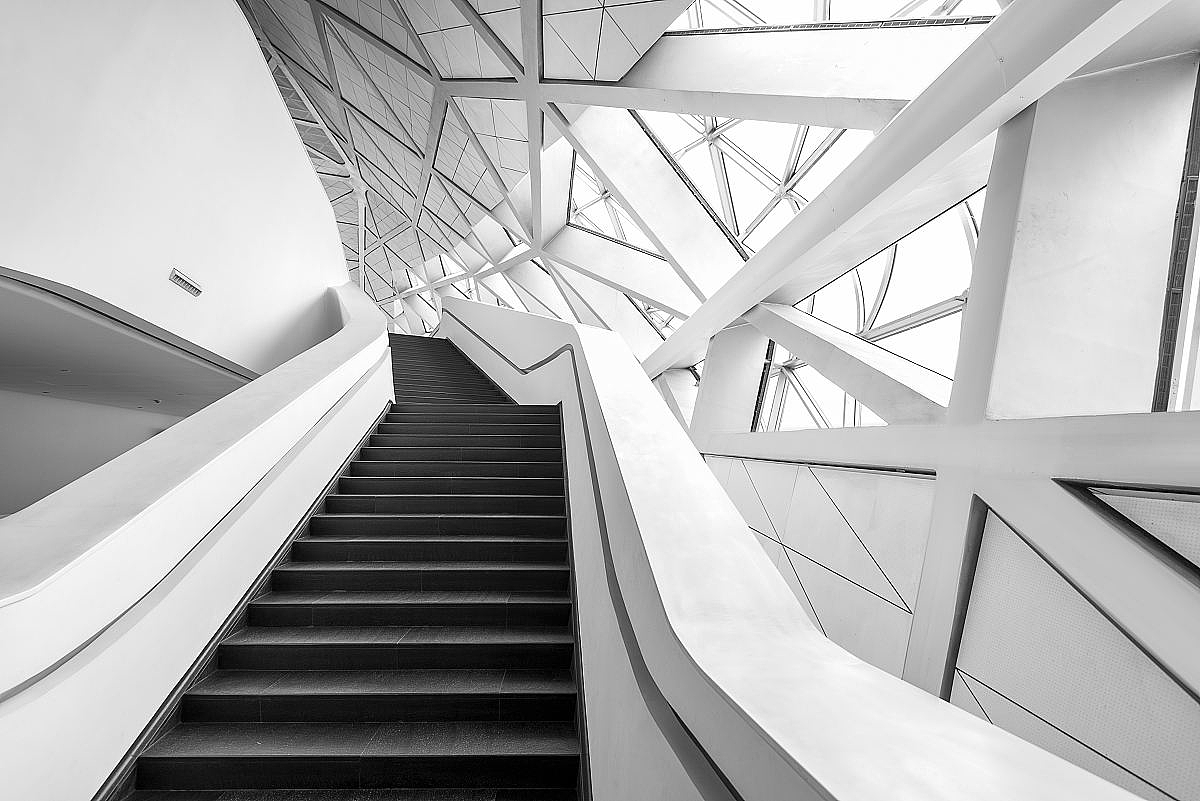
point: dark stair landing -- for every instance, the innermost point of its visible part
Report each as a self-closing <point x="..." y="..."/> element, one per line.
<point x="418" y="645"/>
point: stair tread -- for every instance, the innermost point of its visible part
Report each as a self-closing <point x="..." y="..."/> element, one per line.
<point x="463" y="462"/>
<point x="397" y="635"/>
<point x="387" y="794"/>
<point x="439" y="564"/>
<point x="385" y="682"/>
<point x="370" y="515"/>
<point x="468" y="479"/>
<point x="385" y="597"/>
<point x="455" y="496"/>
<point x="475" y="738"/>
<point x="427" y="538"/>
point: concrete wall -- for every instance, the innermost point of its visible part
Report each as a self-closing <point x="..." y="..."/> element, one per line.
<point x="49" y="442"/>
<point x="139" y="137"/>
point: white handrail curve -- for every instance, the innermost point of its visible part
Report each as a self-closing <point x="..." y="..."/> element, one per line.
<point x="780" y="709"/>
<point x="75" y="561"/>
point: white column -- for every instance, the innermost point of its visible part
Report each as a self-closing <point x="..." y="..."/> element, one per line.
<point x="729" y="383"/>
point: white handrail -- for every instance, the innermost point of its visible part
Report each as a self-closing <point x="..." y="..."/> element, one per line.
<point x="781" y="710"/>
<point x="75" y="561"/>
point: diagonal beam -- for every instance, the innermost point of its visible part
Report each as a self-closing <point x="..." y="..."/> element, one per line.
<point x="327" y="10"/>
<point x="640" y="175"/>
<point x="623" y="268"/>
<point x="530" y="81"/>
<point x="892" y="387"/>
<point x="998" y="75"/>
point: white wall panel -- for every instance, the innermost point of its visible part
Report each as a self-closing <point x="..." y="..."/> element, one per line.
<point x="891" y="516"/>
<point x="871" y="629"/>
<point x="56" y="441"/>
<point x="819" y="531"/>
<point x="1083" y="309"/>
<point x="172" y="149"/>
<point x="845" y="542"/>
<point x="1031" y="639"/>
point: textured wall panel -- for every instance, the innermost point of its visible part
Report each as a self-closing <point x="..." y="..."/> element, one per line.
<point x="1045" y="664"/>
<point x="1173" y="518"/>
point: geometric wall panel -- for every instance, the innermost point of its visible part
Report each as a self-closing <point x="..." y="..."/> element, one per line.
<point x="1172" y="518"/>
<point x="1038" y="659"/>
<point x="849" y="544"/>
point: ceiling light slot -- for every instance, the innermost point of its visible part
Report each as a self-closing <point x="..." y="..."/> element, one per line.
<point x="186" y="284"/>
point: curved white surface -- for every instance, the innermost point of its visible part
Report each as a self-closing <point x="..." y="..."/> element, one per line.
<point x="780" y="709"/>
<point x="75" y="561"/>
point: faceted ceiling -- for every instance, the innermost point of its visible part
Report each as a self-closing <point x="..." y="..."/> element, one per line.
<point x="423" y="118"/>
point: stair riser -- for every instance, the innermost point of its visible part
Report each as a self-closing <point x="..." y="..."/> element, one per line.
<point x="383" y="526"/>
<point x="468" y="418"/>
<point x="413" y="372"/>
<point x="450" y="486"/>
<point x="457" y="469"/>
<point x="479" y="408"/>
<point x="376" y="708"/>
<point x="228" y="773"/>
<point x="469" y="429"/>
<point x="437" y="504"/>
<point x="432" y="401"/>
<point x="448" y="384"/>
<point x="393" y="657"/>
<point x="410" y="615"/>
<point x="468" y="454"/>
<point x="466" y="440"/>
<point x="399" y="579"/>
<point x="316" y="550"/>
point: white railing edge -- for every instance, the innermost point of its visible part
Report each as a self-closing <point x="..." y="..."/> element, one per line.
<point x="126" y="524"/>
<point x="935" y="750"/>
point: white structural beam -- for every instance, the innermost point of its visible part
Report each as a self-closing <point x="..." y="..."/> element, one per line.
<point x="631" y="271"/>
<point x="1024" y="53"/>
<point x="729" y="385"/>
<point x="835" y="77"/>
<point x="529" y="278"/>
<point x="629" y="163"/>
<point x="582" y="310"/>
<point x="615" y="310"/>
<point x="892" y="387"/>
<point x="558" y="161"/>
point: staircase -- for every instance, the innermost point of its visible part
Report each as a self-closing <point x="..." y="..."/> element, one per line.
<point x="418" y="645"/>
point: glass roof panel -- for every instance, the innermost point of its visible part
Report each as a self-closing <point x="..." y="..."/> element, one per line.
<point x="749" y="13"/>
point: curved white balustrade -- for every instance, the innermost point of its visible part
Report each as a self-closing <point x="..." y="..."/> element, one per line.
<point x="783" y="712"/>
<point x="74" y="562"/>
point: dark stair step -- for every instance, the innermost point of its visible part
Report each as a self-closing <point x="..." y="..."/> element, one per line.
<point x="448" y="485"/>
<point x="463" y="469"/>
<point x="455" y="504"/>
<point x="396" y="648"/>
<point x="452" y="547"/>
<point x="386" y="794"/>
<point x="434" y="575"/>
<point x="383" y="695"/>
<point x="468" y="428"/>
<point x="506" y="407"/>
<point x="443" y="384"/>
<point x="440" y="401"/>
<point x="385" y="525"/>
<point x="516" y="440"/>
<point x="471" y="417"/>
<point x="448" y="390"/>
<point x="410" y="608"/>
<point x="433" y="453"/>
<point x="197" y="756"/>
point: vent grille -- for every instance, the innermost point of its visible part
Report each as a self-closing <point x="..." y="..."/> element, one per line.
<point x="186" y="284"/>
